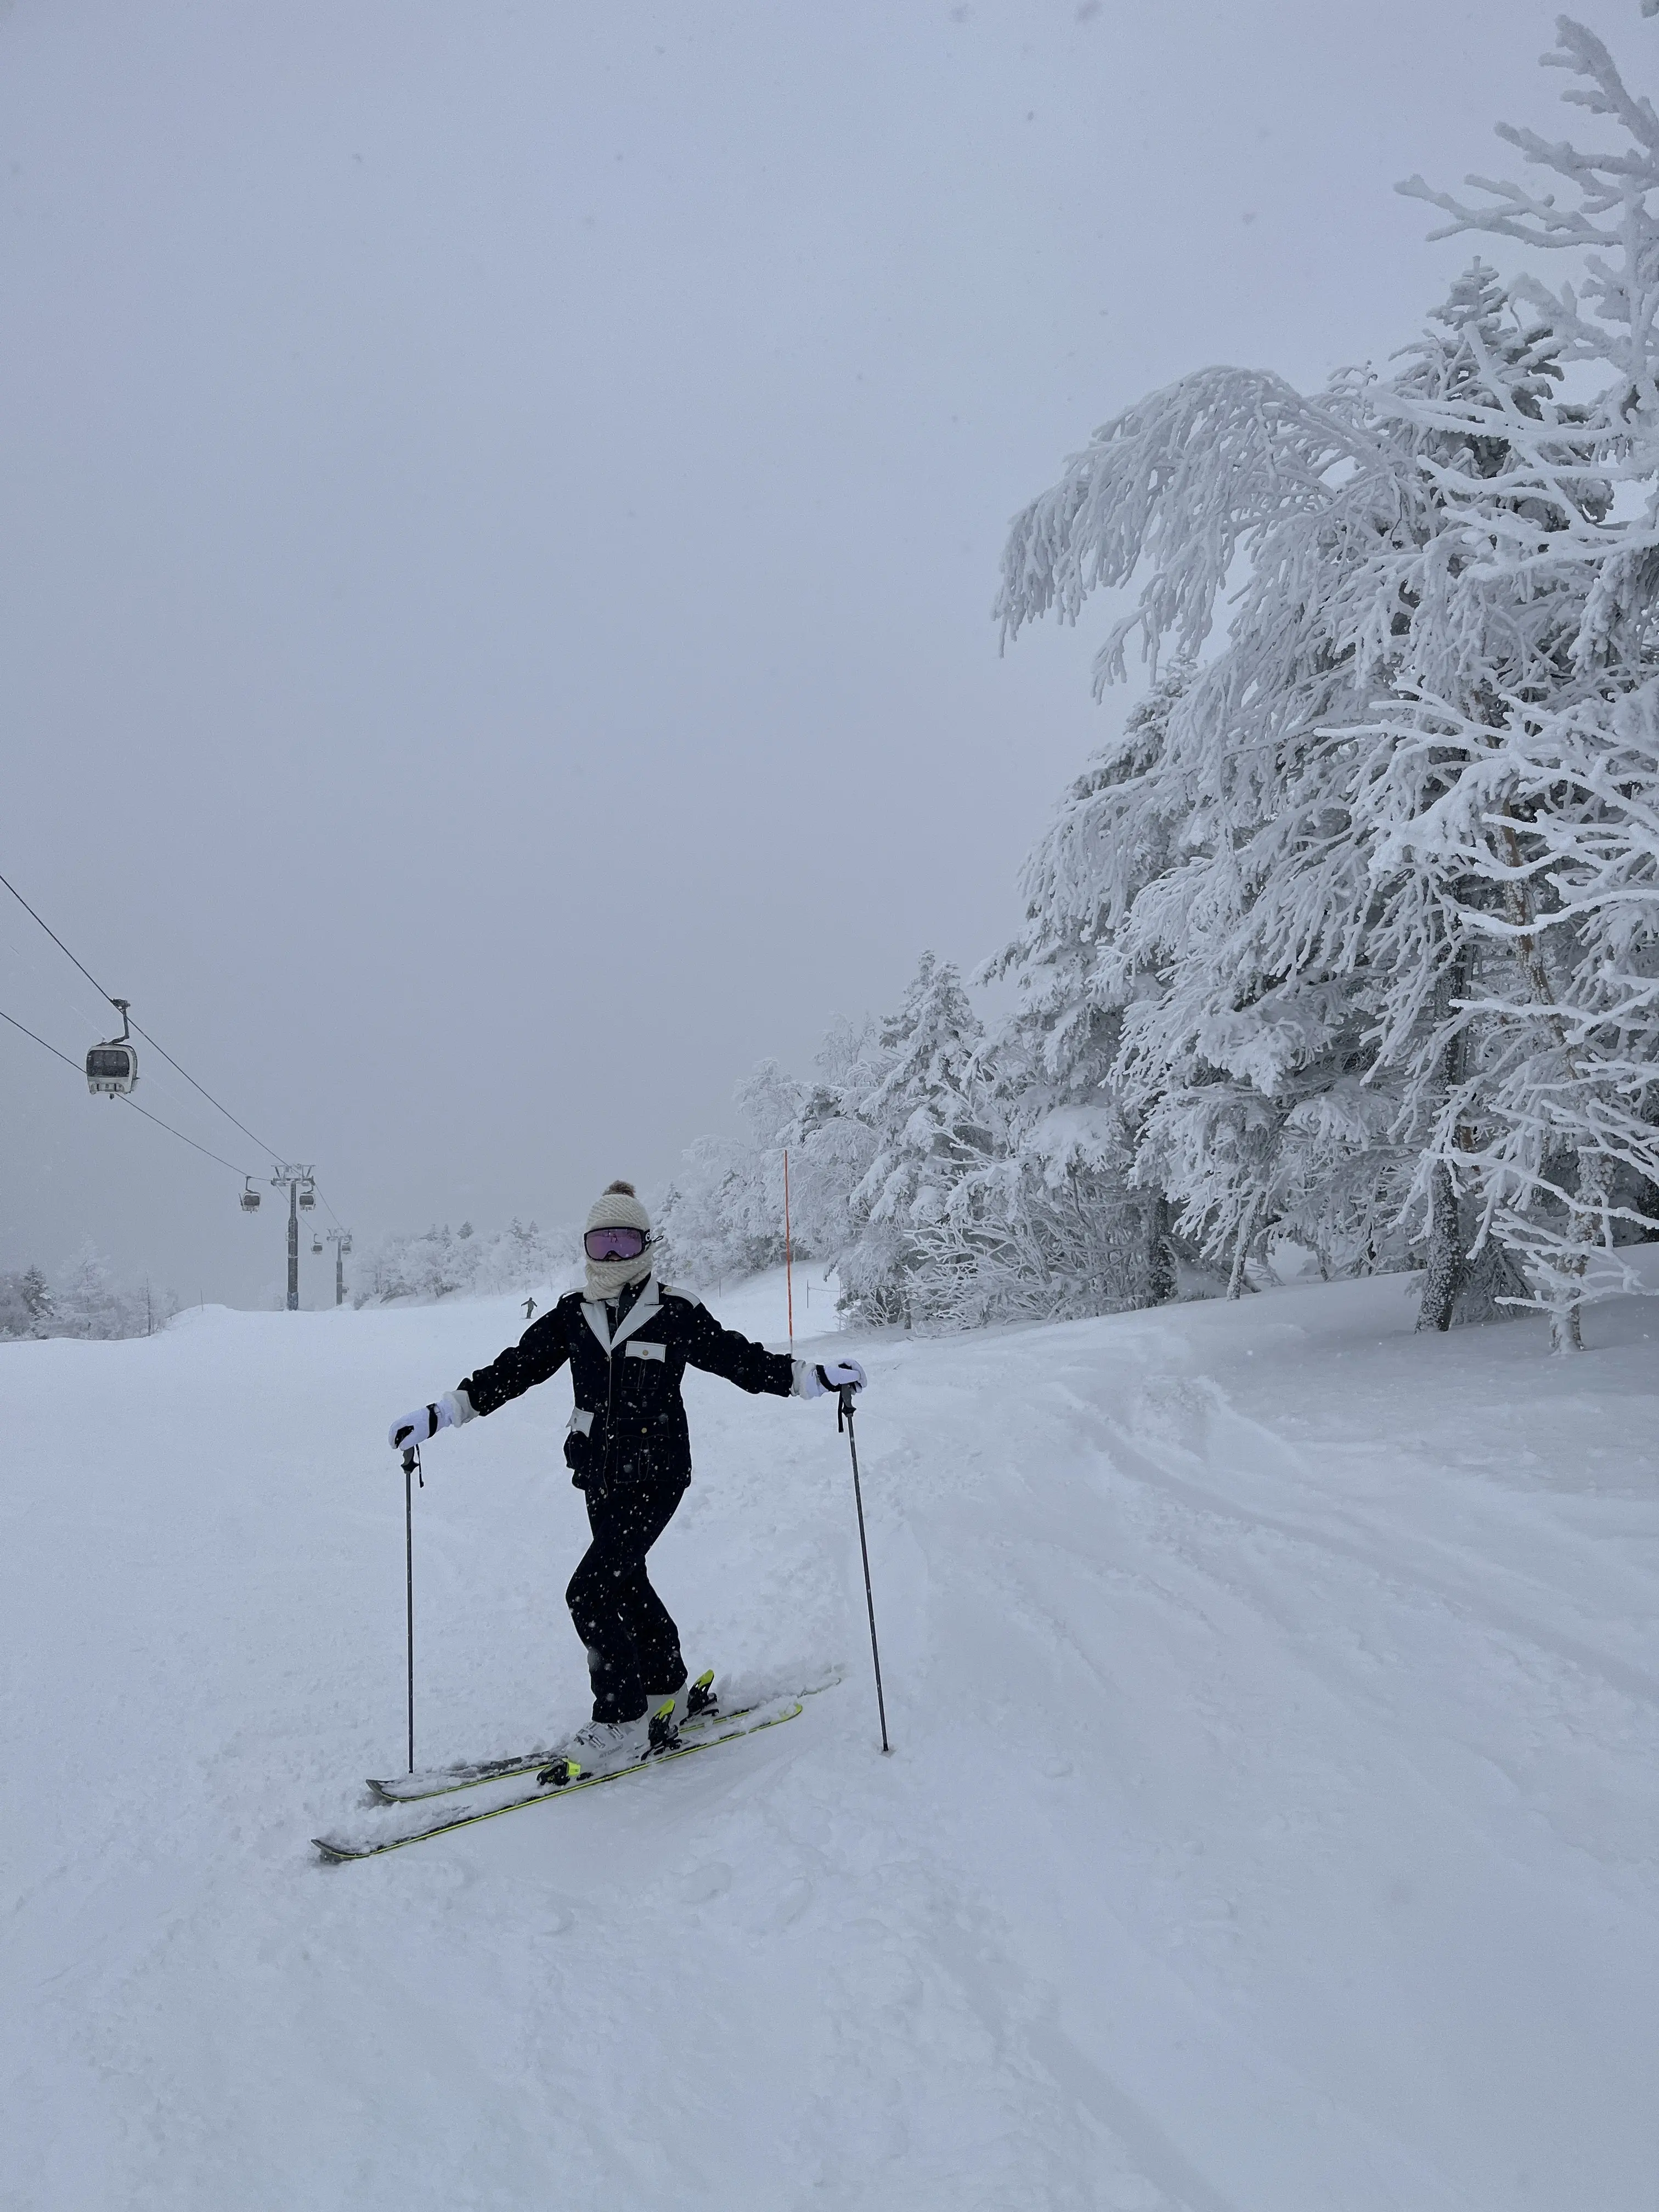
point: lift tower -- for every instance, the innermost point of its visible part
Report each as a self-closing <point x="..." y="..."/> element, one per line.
<point x="341" y="1239"/>
<point x="300" y="1185"/>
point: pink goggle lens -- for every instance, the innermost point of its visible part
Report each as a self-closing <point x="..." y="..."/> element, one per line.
<point x="614" y="1244"/>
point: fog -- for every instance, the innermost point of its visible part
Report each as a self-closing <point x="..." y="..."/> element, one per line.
<point x="502" y="509"/>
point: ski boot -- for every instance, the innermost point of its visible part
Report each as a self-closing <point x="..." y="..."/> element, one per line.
<point x="599" y="1747"/>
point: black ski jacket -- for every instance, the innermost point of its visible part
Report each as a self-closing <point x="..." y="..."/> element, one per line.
<point x="629" y="1426"/>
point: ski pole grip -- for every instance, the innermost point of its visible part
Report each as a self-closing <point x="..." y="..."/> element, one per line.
<point x="843" y="1408"/>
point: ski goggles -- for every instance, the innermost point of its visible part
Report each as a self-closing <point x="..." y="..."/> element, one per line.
<point x="615" y="1243"/>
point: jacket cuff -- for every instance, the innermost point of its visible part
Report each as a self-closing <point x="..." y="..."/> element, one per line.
<point x="461" y="1407"/>
<point x="807" y="1383"/>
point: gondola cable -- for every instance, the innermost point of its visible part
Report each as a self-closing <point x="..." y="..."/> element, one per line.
<point x="120" y="1005"/>
<point x="41" y="1041"/>
<point x="137" y="1109"/>
<point x="184" y="1140"/>
<point x="111" y="1070"/>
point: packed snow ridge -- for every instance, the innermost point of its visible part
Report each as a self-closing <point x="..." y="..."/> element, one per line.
<point x="1270" y="1826"/>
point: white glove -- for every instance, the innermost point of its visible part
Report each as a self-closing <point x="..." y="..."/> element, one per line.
<point x="833" y="1375"/>
<point x="416" y="1428"/>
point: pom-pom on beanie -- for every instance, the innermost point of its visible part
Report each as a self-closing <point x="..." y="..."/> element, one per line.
<point x="617" y="1207"/>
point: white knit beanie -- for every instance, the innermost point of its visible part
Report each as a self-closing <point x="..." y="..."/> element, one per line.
<point x="617" y="1208"/>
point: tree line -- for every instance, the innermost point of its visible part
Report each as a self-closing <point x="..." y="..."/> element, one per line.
<point x="1348" y="942"/>
<point x="84" y="1301"/>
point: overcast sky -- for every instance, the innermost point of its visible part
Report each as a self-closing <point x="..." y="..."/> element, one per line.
<point x="502" y="507"/>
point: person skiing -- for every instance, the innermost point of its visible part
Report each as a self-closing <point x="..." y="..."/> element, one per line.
<point x="628" y="1339"/>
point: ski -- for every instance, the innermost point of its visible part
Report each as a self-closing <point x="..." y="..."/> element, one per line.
<point x="338" y="1849"/>
<point x="443" y="1781"/>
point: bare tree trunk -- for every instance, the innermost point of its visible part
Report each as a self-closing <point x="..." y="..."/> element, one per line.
<point x="1237" y="1283"/>
<point x="1162" y="1278"/>
<point x="1567" y="1332"/>
<point x="1566" y="1329"/>
<point x="1449" y="1263"/>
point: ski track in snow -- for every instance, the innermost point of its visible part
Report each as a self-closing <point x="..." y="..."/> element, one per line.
<point x="1271" y="1826"/>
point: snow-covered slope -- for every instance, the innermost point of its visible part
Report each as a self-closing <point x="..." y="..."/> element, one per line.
<point x="1271" y="1826"/>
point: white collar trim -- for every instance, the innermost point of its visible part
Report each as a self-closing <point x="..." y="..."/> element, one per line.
<point x="644" y="1308"/>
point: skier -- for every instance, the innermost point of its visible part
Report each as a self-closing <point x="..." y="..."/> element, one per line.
<point x="629" y="1339"/>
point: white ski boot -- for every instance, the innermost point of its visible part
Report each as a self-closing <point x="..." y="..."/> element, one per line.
<point x="599" y="1746"/>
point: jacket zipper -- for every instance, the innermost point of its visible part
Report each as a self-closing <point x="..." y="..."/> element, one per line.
<point x="609" y="1388"/>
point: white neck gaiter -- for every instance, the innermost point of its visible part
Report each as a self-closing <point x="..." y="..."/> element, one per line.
<point x="608" y="1279"/>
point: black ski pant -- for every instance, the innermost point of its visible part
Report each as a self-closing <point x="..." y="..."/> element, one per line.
<point x="633" y="1646"/>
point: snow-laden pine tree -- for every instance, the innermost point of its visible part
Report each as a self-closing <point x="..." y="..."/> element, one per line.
<point x="1346" y="1029"/>
<point x="25" y="1305"/>
<point x="928" y="1119"/>
<point x="88" y="1303"/>
<point x="1053" y="1225"/>
<point x="700" y="1217"/>
<point x="723" y="1213"/>
<point x="1547" y="821"/>
<point x="830" y="1141"/>
<point x="1237" y="963"/>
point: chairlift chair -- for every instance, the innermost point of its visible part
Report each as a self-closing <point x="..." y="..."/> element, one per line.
<point x="249" y="1197"/>
<point x="316" y="1241"/>
<point x="307" y="1196"/>
<point x="113" y="1066"/>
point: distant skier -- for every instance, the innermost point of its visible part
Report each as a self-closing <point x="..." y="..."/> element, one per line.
<point x="629" y="1339"/>
<point x="529" y="1309"/>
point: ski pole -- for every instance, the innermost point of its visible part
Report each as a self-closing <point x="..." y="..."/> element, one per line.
<point x="411" y="1466"/>
<point x="844" y="1419"/>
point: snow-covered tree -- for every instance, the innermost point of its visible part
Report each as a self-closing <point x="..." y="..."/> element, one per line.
<point x="25" y="1305"/>
<point x="1045" y="1225"/>
<point x="1357" y="1026"/>
<point x="1056" y="1223"/>
<point x="88" y="1303"/>
<point x="1351" y="939"/>
<point x="446" y="1263"/>
<point x="831" y="1141"/>
<point x="928" y="1118"/>
<point x="1552" y="780"/>
<point x="1230" y="957"/>
<point x="1115" y="832"/>
<point x="723" y="1213"/>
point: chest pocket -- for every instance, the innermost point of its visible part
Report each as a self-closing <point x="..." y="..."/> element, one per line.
<point x="637" y="1348"/>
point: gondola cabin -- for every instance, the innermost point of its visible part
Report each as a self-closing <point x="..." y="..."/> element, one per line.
<point x="113" y="1066"/>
